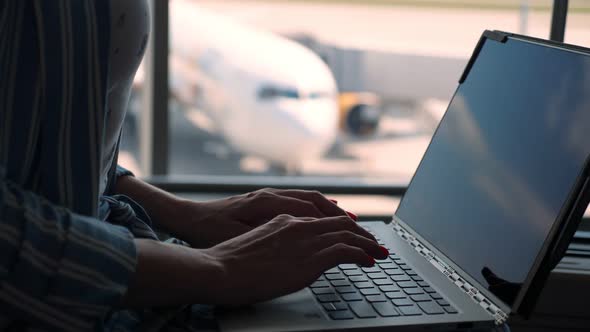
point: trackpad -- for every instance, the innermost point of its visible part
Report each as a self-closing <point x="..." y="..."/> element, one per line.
<point x="297" y="309"/>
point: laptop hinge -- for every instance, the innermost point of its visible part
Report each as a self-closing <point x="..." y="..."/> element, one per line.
<point x="499" y="316"/>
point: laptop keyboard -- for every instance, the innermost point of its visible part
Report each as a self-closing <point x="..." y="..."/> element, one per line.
<point x="391" y="288"/>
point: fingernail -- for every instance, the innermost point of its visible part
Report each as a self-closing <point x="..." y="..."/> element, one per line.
<point x="352" y="216"/>
<point x="334" y="201"/>
<point x="371" y="261"/>
<point x="384" y="250"/>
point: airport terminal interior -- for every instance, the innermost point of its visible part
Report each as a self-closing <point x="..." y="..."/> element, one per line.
<point x="342" y="96"/>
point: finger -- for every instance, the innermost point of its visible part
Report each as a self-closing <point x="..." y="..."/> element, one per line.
<point x="372" y="248"/>
<point x="276" y="204"/>
<point x="335" y="224"/>
<point x="325" y="205"/>
<point x="306" y="218"/>
<point x="340" y="254"/>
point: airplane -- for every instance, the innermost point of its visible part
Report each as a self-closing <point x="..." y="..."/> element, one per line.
<point x="266" y="95"/>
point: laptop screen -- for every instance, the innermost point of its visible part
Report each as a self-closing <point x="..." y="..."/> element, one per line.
<point x="503" y="161"/>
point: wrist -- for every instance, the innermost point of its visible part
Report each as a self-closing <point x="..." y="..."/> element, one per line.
<point x="220" y="285"/>
<point x="183" y="275"/>
<point x="184" y="217"/>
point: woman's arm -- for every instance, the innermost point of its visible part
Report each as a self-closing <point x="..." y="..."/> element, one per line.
<point x="278" y="258"/>
<point x="205" y="224"/>
<point x="167" y="211"/>
<point x="169" y="274"/>
<point x="58" y="270"/>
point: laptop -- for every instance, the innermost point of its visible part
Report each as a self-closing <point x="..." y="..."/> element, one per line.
<point x="489" y="212"/>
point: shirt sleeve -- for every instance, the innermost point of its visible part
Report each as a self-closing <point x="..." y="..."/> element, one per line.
<point x="121" y="171"/>
<point x="59" y="270"/>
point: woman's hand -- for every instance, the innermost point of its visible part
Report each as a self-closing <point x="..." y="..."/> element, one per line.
<point x="206" y="224"/>
<point x="287" y="254"/>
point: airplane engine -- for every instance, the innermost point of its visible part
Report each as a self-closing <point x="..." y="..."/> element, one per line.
<point x="360" y="113"/>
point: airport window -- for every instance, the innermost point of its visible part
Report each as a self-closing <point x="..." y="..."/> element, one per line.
<point x="366" y="83"/>
<point x="577" y="30"/>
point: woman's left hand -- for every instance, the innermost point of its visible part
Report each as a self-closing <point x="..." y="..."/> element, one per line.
<point x="209" y="223"/>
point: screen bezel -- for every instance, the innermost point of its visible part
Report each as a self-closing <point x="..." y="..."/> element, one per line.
<point x="565" y="222"/>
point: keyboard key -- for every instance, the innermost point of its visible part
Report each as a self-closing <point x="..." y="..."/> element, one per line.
<point x="415" y="277"/>
<point x="335" y="276"/>
<point x="413" y="291"/>
<point x="402" y="302"/>
<point x="385" y="309"/>
<point x="420" y="298"/>
<point x="423" y="284"/>
<point x="348" y="266"/>
<point x="335" y="306"/>
<point x="382" y="282"/>
<point x="328" y="298"/>
<point x="339" y="315"/>
<point x="340" y="283"/>
<point x="321" y="278"/>
<point x="329" y="306"/>
<point x="376" y="298"/>
<point x="395" y="295"/>
<point x="400" y="278"/>
<point x="363" y="309"/>
<point x="429" y="290"/>
<point x="407" y="284"/>
<point x="389" y="288"/>
<point x="318" y="284"/>
<point x="363" y="284"/>
<point x="450" y="310"/>
<point x="388" y="265"/>
<point x="393" y="272"/>
<point x="351" y="297"/>
<point x="385" y="261"/>
<point x="444" y="303"/>
<point x="411" y="272"/>
<point x="436" y="296"/>
<point x="404" y="267"/>
<point x="377" y="275"/>
<point x="340" y="306"/>
<point x="356" y="272"/>
<point x="410" y="310"/>
<point x="332" y="270"/>
<point x="370" y="291"/>
<point x="358" y="278"/>
<point x="371" y="269"/>
<point x="323" y="290"/>
<point x="431" y="308"/>
<point x="345" y="289"/>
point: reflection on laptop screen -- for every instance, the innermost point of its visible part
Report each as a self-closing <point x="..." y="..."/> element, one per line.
<point x="500" y="166"/>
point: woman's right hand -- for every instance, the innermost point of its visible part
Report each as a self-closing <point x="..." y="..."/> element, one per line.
<point x="286" y="255"/>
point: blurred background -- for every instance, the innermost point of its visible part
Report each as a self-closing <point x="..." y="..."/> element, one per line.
<point x="321" y="88"/>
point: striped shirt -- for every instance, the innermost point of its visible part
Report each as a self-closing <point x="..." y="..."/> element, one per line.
<point x="62" y="267"/>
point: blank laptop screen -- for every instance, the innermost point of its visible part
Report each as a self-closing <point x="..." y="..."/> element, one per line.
<point x="503" y="161"/>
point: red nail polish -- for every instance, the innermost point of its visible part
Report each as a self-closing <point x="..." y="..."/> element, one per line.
<point x="334" y="201"/>
<point x="384" y="250"/>
<point x="371" y="261"/>
<point x="352" y="216"/>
